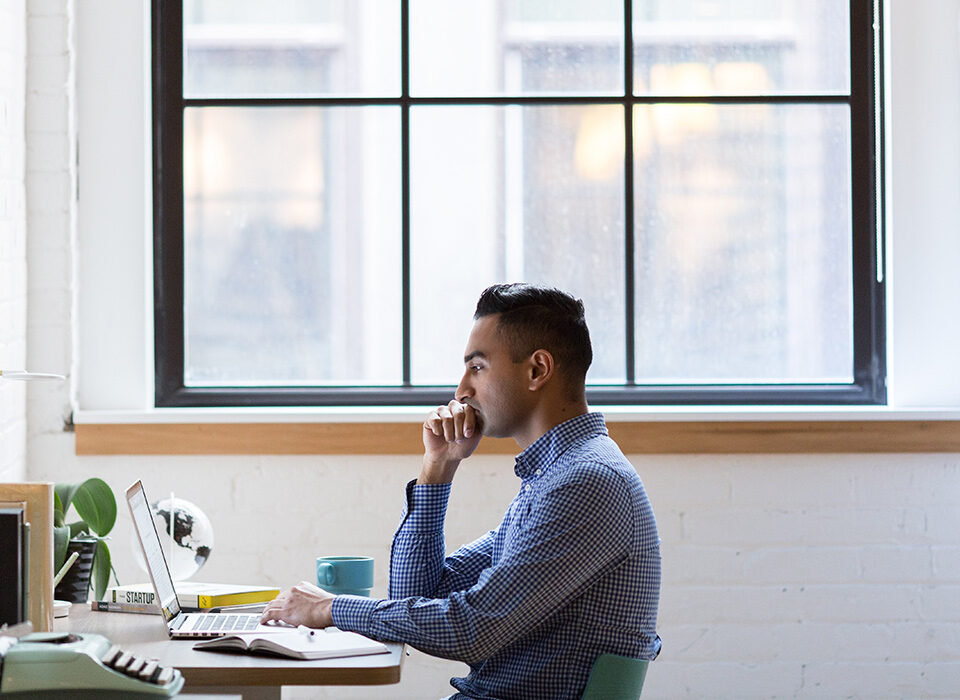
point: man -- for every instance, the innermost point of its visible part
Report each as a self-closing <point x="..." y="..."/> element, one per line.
<point x="572" y="571"/>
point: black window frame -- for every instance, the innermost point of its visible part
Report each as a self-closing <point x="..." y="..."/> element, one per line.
<point x="866" y="121"/>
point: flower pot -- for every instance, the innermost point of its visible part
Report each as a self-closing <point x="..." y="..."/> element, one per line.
<point x="75" y="584"/>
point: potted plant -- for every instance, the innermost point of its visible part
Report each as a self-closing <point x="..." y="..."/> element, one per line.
<point x="96" y="507"/>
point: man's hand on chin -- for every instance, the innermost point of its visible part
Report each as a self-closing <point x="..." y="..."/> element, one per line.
<point x="450" y="434"/>
<point x="303" y="604"/>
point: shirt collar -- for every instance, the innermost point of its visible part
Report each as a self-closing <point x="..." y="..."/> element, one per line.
<point x="547" y="448"/>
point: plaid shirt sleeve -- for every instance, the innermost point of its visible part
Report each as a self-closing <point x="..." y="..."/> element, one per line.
<point x="417" y="563"/>
<point x="563" y="538"/>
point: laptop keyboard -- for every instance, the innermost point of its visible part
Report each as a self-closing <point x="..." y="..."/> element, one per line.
<point x="227" y="623"/>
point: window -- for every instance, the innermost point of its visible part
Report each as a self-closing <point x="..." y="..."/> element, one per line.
<point x="335" y="182"/>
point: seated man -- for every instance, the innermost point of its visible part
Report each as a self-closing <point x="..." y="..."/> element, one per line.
<point x="572" y="571"/>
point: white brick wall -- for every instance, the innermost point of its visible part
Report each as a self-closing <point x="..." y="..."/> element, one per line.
<point x="767" y="592"/>
<point x="51" y="185"/>
<point x="13" y="264"/>
<point x="813" y="576"/>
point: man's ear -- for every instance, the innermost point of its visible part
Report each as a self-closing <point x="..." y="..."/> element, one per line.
<point x="540" y="369"/>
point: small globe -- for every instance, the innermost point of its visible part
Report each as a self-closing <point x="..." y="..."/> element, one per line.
<point x="187" y="543"/>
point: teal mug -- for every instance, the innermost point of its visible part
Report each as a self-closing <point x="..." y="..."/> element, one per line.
<point x="345" y="575"/>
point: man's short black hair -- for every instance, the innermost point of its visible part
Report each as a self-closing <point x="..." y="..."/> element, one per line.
<point x="534" y="317"/>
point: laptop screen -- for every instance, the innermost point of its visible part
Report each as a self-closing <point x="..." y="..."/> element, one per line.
<point x="152" y="552"/>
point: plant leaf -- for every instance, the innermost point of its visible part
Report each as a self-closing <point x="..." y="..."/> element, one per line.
<point x="100" y="575"/>
<point x="78" y="528"/>
<point x="95" y="503"/>
<point x="61" y="538"/>
<point x="63" y="496"/>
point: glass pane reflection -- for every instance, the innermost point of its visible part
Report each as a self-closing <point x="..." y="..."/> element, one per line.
<point x="743" y="243"/>
<point x="294" y="48"/>
<point x="534" y="194"/>
<point x="519" y="47"/>
<point x="292" y="246"/>
<point x="741" y="47"/>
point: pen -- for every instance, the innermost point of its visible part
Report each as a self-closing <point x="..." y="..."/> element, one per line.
<point x="309" y="633"/>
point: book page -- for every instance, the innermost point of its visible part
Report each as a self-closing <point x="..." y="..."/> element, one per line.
<point x="301" y="644"/>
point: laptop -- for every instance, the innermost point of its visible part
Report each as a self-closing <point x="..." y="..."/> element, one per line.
<point x="181" y="625"/>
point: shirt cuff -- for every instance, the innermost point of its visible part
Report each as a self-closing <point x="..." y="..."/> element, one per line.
<point x="426" y="507"/>
<point x="352" y="613"/>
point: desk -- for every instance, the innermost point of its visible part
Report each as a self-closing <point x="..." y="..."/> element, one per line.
<point x="254" y="677"/>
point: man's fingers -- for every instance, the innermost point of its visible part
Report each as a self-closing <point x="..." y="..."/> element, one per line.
<point x="449" y="430"/>
<point x="434" y="423"/>
<point x="469" y="422"/>
<point x="451" y="421"/>
<point x="269" y="613"/>
<point x="457" y="415"/>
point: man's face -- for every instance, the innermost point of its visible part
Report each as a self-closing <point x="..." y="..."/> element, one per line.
<point x="494" y="385"/>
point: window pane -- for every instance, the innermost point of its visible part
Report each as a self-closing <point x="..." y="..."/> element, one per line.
<point x="292" y="48"/>
<point x="533" y="194"/>
<point x="743" y="247"/>
<point x="292" y="245"/>
<point x="741" y="47"/>
<point x="516" y="47"/>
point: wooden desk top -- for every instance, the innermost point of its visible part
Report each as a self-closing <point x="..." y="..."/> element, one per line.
<point x="145" y="635"/>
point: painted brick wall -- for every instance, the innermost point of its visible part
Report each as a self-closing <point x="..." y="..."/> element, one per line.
<point x="51" y="209"/>
<point x="13" y="262"/>
<point x="813" y="576"/>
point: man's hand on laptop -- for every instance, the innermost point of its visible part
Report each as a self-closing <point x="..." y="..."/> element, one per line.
<point x="303" y="604"/>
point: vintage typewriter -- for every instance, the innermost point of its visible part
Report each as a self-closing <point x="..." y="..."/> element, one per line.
<point x="56" y="666"/>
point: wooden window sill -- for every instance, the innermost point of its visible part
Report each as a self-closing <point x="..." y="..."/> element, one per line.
<point x="401" y="437"/>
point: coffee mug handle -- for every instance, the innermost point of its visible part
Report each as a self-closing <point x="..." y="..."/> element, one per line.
<point x="326" y="573"/>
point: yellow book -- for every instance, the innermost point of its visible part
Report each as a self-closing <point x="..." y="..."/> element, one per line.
<point x="237" y="598"/>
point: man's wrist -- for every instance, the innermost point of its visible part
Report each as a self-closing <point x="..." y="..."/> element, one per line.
<point x="352" y="613"/>
<point x="326" y="612"/>
<point x="437" y="471"/>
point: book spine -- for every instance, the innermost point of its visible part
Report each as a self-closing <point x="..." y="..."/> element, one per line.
<point x="132" y="597"/>
<point x="216" y="601"/>
<point x="110" y="606"/>
<point x="119" y="594"/>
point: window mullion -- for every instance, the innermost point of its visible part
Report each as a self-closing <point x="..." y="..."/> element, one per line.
<point x="405" y="185"/>
<point x="628" y="212"/>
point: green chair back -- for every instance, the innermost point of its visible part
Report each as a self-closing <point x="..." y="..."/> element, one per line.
<point x="615" y="678"/>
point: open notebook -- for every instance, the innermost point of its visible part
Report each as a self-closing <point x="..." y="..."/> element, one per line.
<point x="301" y="643"/>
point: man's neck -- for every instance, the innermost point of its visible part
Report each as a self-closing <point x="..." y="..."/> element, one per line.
<point x="549" y="415"/>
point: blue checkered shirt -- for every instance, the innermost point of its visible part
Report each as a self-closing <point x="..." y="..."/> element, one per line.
<point x="572" y="572"/>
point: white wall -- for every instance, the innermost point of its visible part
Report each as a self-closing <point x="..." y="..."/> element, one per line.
<point x="805" y="576"/>
<point x="13" y="256"/>
<point x="51" y="189"/>
<point x="924" y="179"/>
<point x="784" y="576"/>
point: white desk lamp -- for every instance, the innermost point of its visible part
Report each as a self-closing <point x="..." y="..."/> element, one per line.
<point x="24" y="376"/>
